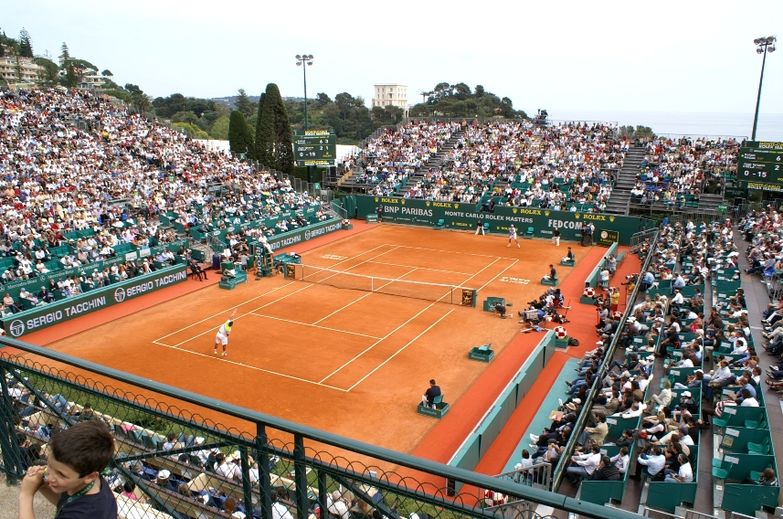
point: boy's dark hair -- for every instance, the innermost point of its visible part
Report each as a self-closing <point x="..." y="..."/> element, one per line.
<point x="86" y="447"/>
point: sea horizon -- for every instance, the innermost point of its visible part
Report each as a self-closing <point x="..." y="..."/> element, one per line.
<point x="713" y="124"/>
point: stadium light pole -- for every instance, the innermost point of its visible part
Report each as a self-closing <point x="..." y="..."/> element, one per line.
<point x="304" y="60"/>
<point x="763" y="45"/>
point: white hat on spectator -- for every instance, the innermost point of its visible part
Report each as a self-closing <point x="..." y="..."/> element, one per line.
<point x="239" y="515"/>
<point x="164" y="474"/>
<point x="686" y="394"/>
<point x="199" y="440"/>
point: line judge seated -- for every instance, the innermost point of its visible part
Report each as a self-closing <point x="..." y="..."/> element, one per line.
<point x="552" y="273"/>
<point x="428" y="398"/>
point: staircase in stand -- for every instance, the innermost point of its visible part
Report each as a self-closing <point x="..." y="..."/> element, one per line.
<point x="435" y="162"/>
<point x="626" y="179"/>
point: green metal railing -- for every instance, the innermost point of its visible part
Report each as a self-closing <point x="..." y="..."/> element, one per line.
<point x="595" y="389"/>
<point x="160" y="427"/>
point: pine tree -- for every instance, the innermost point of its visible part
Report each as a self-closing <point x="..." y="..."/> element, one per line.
<point x="243" y="103"/>
<point x="25" y="44"/>
<point x="265" y="132"/>
<point x="64" y="55"/>
<point x="238" y="133"/>
<point x="283" y="151"/>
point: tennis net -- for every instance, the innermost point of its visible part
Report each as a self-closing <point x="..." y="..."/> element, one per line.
<point x="436" y="292"/>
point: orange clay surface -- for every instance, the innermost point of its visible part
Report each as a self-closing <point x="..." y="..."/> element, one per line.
<point x="346" y="361"/>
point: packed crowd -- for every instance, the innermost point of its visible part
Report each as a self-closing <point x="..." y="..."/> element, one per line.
<point x="520" y="164"/>
<point x="83" y="180"/>
<point x="654" y="430"/>
<point x="677" y="171"/>
<point x="513" y="162"/>
<point x="389" y="159"/>
<point x="763" y="230"/>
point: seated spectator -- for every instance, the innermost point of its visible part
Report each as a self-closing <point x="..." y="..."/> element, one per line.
<point x="606" y="471"/>
<point x="428" y="398"/>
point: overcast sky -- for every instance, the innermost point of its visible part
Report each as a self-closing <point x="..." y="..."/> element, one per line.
<point x="671" y="56"/>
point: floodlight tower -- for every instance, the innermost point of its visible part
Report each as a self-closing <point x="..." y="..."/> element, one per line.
<point x="304" y="60"/>
<point x="763" y="45"/>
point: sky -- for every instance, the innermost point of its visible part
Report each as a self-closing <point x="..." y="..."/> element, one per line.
<point x="565" y="56"/>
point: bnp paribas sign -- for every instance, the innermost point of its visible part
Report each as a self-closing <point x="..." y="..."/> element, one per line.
<point x="456" y="215"/>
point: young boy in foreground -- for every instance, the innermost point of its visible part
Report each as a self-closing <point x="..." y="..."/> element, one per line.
<point x="77" y="456"/>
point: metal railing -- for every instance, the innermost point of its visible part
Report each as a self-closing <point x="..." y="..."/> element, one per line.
<point x="579" y="425"/>
<point x="271" y="458"/>
<point x="538" y="475"/>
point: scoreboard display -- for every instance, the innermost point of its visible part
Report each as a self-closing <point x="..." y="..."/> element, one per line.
<point x="760" y="165"/>
<point x="315" y="148"/>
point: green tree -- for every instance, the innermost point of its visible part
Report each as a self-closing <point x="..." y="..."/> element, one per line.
<point x="191" y="130"/>
<point x="168" y="106"/>
<point x="265" y="130"/>
<point x="139" y="99"/>
<point x="185" y="117"/>
<point x="25" y="44"/>
<point x="51" y="71"/>
<point x="479" y="92"/>
<point x="243" y="103"/>
<point x="71" y="79"/>
<point x="238" y="134"/>
<point x="388" y="115"/>
<point x="321" y="100"/>
<point x="219" y="128"/>
<point x="283" y="159"/>
<point x="65" y="56"/>
<point x="107" y="73"/>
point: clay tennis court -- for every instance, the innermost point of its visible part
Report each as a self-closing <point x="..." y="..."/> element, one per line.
<point x="347" y="361"/>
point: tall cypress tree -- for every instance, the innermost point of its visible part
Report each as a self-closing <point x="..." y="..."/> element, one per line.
<point x="265" y="132"/>
<point x="283" y="159"/>
<point x="237" y="129"/>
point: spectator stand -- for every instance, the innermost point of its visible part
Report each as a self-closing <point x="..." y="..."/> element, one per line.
<point x="552" y="409"/>
<point x="593" y="393"/>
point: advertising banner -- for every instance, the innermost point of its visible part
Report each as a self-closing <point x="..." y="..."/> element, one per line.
<point x="457" y="215"/>
<point x="47" y="315"/>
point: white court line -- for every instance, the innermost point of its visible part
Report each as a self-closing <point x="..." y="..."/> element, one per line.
<point x="256" y="368"/>
<point x="258" y="297"/>
<point x="379" y="366"/>
<point x="313" y="325"/>
<point x="497" y="258"/>
<point x="497" y="275"/>
<point x="456" y="252"/>
<point x="364" y="296"/>
<point x="221" y="312"/>
<point x="371" y="346"/>
<point x="422" y="268"/>
<point x="404" y="324"/>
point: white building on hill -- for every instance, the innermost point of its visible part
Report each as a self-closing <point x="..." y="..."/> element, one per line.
<point x="390" y="94"/>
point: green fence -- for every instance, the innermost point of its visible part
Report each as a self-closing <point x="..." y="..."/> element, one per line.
<point x="456" y="215"/>
<point x="276" y="460"/>
<point x="50" y="314"/>
<point x="492" y="423"/>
